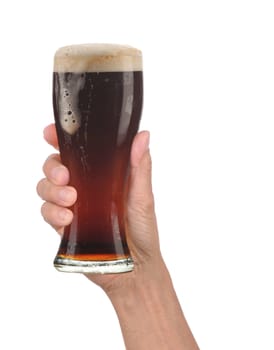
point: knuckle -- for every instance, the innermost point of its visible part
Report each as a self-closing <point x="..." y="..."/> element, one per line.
<point x="48" y="213"/>
<point x="144" y="205"/>
<point x="147" y="206"/>
<point x="40" y="187"/>
<point x="44" y="210"/>
<point x="55" y="157"/>
<point x="46" y="190"/>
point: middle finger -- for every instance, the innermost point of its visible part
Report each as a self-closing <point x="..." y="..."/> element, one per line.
<point x="64" y="196"/>
<point x="55" y="171"/>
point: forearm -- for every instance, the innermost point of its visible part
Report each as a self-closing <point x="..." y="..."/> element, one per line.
<point x="150" y="315"/>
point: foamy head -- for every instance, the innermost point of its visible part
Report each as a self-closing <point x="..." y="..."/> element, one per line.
<point x="97" y="58"/>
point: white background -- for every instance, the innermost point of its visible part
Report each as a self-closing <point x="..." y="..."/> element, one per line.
<point x="209" y="97"/>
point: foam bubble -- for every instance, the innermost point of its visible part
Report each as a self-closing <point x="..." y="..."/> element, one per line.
<point x="97" y="58"/>
<point x="70" y="117"/>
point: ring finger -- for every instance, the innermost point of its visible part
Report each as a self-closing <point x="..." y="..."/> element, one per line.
<point x="56" y="216"/>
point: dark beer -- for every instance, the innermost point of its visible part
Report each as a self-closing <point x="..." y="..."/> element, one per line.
<point x="97" y="115"/>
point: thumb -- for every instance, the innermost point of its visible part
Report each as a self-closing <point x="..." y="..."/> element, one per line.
<point x="141" y="221"/>
<point x="140" y="173"/>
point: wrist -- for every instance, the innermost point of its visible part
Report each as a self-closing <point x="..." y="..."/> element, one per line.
<point x="140" y="282"/>
<point x="149" y="312"/>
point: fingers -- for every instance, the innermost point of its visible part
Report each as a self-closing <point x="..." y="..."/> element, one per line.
<point x="50" y="135"/>
<point x="64" y="196"/>
<point x="56" y="216"/>
<point x="56" y="193"/>
<point x="55" y="172"/>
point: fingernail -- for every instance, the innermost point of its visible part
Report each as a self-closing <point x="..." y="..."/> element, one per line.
<point x="65" y="215"/>
<point x="66" y="195"/>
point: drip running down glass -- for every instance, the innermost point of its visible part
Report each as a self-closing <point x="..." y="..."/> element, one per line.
<point x="97" y="101"/>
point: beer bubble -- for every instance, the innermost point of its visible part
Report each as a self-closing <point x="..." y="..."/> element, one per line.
<point x="69" y="115"/>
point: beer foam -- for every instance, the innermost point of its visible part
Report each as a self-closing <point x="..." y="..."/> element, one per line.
<point x="97" y="58"/>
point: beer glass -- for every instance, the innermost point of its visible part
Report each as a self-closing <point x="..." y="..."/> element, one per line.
<point x="97" y="102"/>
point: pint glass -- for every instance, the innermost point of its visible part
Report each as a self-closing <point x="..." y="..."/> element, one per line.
<point x="97" y="101"/>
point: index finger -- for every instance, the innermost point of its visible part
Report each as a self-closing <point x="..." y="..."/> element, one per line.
<point x="50" y="135"/>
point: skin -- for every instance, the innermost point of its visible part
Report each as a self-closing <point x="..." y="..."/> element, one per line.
<point x="145" y="301"/>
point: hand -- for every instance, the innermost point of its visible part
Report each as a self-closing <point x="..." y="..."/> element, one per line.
<point x="145" y="301"/>
<point x="142" y="235"/>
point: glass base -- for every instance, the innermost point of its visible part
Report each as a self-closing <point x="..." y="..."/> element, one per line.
<point x="84" y="266"/>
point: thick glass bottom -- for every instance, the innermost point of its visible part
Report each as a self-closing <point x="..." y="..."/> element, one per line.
<point x="89" y="266"/>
